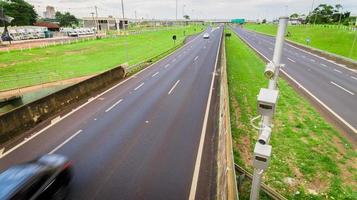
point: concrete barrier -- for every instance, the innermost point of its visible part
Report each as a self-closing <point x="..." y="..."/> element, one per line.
<point x="226" y="178"/>
<point x="17" y="121"/>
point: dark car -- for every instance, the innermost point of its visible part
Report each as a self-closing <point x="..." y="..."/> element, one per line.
<point x="45" y="178"/>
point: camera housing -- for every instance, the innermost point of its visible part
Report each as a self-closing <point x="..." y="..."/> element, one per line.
<point x="267" y="100"/>
<point x="262" y="155"/>
<point x="269" y="70"/>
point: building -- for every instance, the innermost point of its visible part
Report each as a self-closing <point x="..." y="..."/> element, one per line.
<point x="50" y="26"/>
<point x="104" y="23"/>
<point x="50" y="13"/>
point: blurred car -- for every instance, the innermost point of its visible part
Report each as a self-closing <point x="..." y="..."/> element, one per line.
<point x="206" y="36"/>
<point x="47" y="177"/>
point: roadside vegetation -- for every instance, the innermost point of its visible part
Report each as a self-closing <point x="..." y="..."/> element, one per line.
<point x="330" y="38"/>
<point x="40" y="65"/>
<point x="310" y="159"/>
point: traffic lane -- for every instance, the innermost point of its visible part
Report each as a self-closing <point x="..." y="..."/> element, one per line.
<point x="180" y="135"/>
<point x="35" y="147"/>
<point x="336" y="98"/>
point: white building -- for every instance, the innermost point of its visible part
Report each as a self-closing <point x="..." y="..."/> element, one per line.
<point x="50" y="13"/>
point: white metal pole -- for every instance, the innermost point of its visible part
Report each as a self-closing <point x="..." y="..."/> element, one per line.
<point x="266" y="120"/>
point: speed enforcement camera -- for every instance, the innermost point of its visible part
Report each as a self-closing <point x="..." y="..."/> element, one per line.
<point x="262" y="155"/>
<point x="267" y="100"/>
<point x="269" y="70"/>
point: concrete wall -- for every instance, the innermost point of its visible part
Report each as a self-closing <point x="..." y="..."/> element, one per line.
<point x="25" y="117"/>
<point x="226" y="178"/>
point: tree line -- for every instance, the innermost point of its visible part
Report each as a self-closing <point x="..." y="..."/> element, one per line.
<point x="25" y="14"/>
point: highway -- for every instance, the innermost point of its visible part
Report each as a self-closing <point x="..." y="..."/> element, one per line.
<point x="144" y="138"/>
<point x="330" y="84"/>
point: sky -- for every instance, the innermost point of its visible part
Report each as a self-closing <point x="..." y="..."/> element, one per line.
<point x="196" y="9"/>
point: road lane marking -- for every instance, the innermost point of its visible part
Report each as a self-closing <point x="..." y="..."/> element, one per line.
<point x="96" y="97"/>
<point x="337" y="85"/>
<point x="303" y="88"/>
<point x="173" y="87"/>
<point x="353" y="77"/>
<point x="203" y="134"/>
<point x="115" y="104"/>
<point x="292" y="60"/>
<point x="312" y="60"/>
<point x="155" y="74"/>
<point x="196" y="58"/>
<point x="323" y="65"/>
<point x="338" y="71"/>
<point x="166" y="66"/>
<point x="139" y="86"/>
<point x="66" y="141"/>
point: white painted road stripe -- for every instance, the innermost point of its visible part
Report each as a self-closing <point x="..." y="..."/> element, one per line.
<point x="312" y="60"/>
<point x="196" y="58"/>
<point x="166" y="66"/>
<point x="306" y="90"/>
<point x="342" y="88"/>
<point x="66" y="141"/>
<point x="203" y="135"/>
<point x="173" y="87"/>
<point x="111" y="107"/>
<point x="139" y="86"/>
<point x="337" y="70"/>
<point x="323" y="65"/>
<point x="155" y="74"/>
<point x="291" y="60"/>
<point x="353" y="77"/>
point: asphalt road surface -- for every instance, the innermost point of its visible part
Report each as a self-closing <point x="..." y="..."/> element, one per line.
<point x="332" y="84"/>
<point x="141" y="138"/>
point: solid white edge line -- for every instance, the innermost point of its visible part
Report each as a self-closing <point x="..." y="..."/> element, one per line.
<point x="292" y="60"/>
<point x="92" y="99"/>
<point x="173" y="87"/>
<point x="155" y="74"/>
<point x="306" y="90"/>
<point x="115" y="104"/>
<point x="337" y="85"/>
<point x="203" y="133"/>
<point x="65" y="142"/>
<point x="139" y="86"/>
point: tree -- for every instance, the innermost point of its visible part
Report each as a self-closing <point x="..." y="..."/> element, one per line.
<point x="327" y="14"/>
<point x="66" y="19"/>
<point x="22" y="12"/>
<point x="186" y="17"/>
<point x="264" y="21"/>
<point x="295" y="15"/>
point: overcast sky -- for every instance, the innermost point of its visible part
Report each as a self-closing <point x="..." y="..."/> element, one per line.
<point x="211" y="9"/>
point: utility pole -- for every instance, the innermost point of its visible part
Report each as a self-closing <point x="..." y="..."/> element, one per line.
<point x="183" y="11"/>
<point x="96" y="18"/>
<point x="267" y="101"/>
<point x="354" y="40"/>
<point x="312" y="7"/>
<point x="95" y="32"/>
<point x="126" y="37"/>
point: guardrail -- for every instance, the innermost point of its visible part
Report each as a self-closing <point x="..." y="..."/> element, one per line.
<point x="266" y="189"/>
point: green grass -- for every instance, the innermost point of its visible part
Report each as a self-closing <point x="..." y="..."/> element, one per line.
<point x="334" y="40"/>
<point x="305" y="147"/>
<point x="31" y="67"/>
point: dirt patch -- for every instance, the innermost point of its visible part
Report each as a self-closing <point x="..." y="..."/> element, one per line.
<point x="346" y="175"/>
<point x="236" y="111"/>
<point x="245" y="150"/>
<point x="318" y="185"/>
<point x="77" y="51"/>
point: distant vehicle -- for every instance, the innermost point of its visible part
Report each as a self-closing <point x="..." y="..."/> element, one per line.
<point x="45" y="178"/>
<point x="206" y="36"/>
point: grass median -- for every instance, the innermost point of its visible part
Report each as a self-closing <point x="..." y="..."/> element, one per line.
<point x="310" y="159"/>
<point x="41" y="65"/>
<point x="335" y="40"/>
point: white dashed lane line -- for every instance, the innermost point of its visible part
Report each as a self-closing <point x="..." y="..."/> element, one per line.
<point x="196" y="58"/>
<point x="166" y="66"/>
<point x="338" y="71"/>
<point x="342" y="88"/>
<point x="155" y="74"/>
<point x="66" y="141"/>
<point x="292" y="60"/>
<point x="139" y="86"/>
<point x="323" y="65"/>
<point x="354" y="78"/>
<point x="173" y="87"/>
<point x="115" y="104"/>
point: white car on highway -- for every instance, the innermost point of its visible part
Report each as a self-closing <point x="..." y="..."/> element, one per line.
<point x="206" y="36"/>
